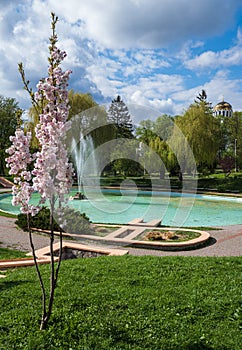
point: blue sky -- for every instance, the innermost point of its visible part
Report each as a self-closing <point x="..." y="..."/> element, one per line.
<point x="157" y="53"/>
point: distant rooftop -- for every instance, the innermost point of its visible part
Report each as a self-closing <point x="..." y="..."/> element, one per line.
<point x="223" y="105"/>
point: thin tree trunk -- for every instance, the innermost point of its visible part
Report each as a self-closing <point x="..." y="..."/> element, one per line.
<point x="37" y="269"/>
<point x="54" y="272"/>
<point x="46" y="315"/>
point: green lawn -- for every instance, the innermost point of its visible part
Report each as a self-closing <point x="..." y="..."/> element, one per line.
<point x="217" y="182"/>
<point x="7" y="215"/>
<point x="6" y="253"/>
<point x="178" y="303"/>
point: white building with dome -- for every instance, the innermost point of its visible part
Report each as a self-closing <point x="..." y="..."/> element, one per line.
<point x="223" y="109"/>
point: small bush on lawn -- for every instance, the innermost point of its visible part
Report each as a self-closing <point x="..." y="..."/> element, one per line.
<point x="157" y="235"/>
<point x="160" y="236"/>
<point x="76" y="222"/>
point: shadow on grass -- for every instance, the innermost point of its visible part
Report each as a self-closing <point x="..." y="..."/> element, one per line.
<point x="199" y="346"/>
<point x="10" y="284"/>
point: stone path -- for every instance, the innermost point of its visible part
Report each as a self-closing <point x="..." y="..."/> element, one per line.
<point x="13" y="237"/>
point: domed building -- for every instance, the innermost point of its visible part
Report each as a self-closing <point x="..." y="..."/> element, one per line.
<point x="223" y="109"/>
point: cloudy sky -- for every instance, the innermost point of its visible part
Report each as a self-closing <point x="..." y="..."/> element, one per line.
<point x="157" y="53"/>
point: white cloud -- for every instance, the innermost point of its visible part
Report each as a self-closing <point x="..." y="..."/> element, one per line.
<point x="220" y="86"/>
<point x="154" y="92"/>
<point x="135" y="48"/>
<point x="118" y="72"/>
<point x="211" y="59"/>
<point x="127" y="23"/>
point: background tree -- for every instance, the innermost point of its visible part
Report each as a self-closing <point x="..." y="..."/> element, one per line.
<point x="29" y="126"/>
<point x="124" y="158"/>
<point x="201" y="100"/>
<point x="201" y="129"/>
<point x="155" y="135"/>
<point x="162" y="150"/>
<point x="227" y="164"/>
<point x="78" y="103"/>
<point x="9" y="112"/>
<point x="119" y="116"/>
<point x="231" y="138"/>
<point x="180" y="157"/>
<point x="236" y="138"/>
<point x="145" y="131"/>
<point x="163" y="126"/>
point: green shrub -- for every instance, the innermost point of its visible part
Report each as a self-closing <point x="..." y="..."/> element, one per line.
<point x="180" y="236"/>
<point x="75" y="221"/>
<point x="161" y="235"/>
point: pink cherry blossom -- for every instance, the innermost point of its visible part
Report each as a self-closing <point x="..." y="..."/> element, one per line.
<point x="53" y="172"/>
<point x="19" y="160"/>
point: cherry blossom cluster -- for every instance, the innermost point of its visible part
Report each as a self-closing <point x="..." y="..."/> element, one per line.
<point x="18" y="161"/>
<point x="53" y="172"/>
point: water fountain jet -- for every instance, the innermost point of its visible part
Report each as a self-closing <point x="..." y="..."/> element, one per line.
<point x="84" y="161"/>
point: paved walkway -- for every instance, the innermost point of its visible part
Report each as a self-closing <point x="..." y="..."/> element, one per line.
<point x="224" y="242"/>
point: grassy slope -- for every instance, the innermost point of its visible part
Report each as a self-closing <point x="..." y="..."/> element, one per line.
<point x="217" y="181"/>
<point x="128" y="303"/>
<point x="6" y="253"/>
<point x="7" y="215"/>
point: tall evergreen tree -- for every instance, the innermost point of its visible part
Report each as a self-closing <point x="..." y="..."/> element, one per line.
<point x="201" y="97"/>
<point x="201" y="100"/>
<point x="119" y="116"/>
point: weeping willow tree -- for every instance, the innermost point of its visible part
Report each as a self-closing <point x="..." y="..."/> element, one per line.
<point x="33" y="114"/>
<point x="162" y="150"/>
<point x="78" y="102"/>
<point x="201" y="130"/>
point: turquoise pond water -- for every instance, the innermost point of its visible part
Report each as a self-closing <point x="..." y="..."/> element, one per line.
<point x="174" y="209"/>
